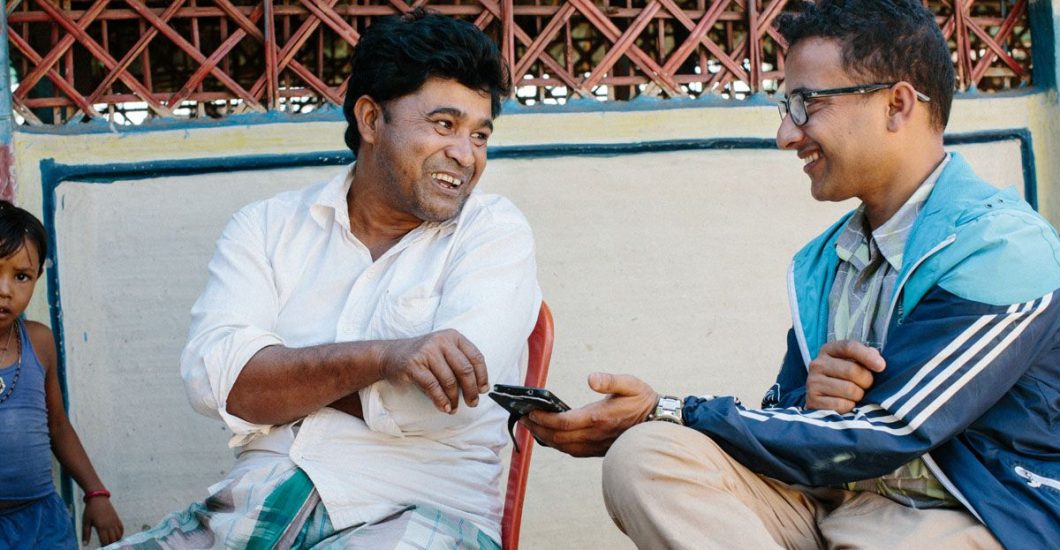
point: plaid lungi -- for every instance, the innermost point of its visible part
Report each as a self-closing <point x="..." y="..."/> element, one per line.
<point x="291" y="515"/>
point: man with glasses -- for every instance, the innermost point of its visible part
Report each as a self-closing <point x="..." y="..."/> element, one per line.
<point x="917" y="404"/>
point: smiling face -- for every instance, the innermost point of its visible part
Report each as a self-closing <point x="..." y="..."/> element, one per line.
<point x="430" y="147"/>
<point x="18" y="277"/>
<point x="844" y="142"/>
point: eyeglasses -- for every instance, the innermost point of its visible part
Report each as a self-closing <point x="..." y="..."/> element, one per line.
<point x="795" y="104"/>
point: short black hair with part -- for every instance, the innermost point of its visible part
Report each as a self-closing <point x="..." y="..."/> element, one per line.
<point x="882" y="41"/>
<point x="396" y="55"/>
<point x="18" y="226"/>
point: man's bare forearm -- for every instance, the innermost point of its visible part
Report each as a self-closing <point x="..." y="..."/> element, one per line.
<point x="280" y="385"/>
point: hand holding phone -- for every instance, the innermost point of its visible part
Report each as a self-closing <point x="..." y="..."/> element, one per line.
<point x="520" y="400"/>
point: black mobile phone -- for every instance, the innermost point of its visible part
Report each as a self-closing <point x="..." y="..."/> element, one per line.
<point x="520" y="400"/>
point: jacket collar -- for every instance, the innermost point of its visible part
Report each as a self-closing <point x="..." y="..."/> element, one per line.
<point x="958" y="195"/>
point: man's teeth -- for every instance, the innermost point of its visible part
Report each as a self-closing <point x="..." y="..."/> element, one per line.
<point x="453" y="182"/>
<point x="811" y="158"/>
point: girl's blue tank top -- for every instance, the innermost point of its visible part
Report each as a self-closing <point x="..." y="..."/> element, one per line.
<point x="25" y="444"/>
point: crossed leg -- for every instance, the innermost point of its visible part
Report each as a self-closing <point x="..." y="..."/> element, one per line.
<point x="666" y="486"/>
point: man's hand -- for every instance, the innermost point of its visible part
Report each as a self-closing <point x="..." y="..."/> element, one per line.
<point x="442" y="364"/>
<point x="590" y="430"/>
<point x="841" y="374"/>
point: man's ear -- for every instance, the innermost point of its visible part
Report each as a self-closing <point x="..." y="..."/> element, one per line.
<point x="902" y="103"/>
<point x="369" y="115"/>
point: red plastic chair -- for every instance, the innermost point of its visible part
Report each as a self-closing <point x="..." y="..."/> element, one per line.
<point x="540" y="344"/>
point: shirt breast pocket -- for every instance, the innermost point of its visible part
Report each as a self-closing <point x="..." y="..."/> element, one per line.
<point x="407" y="315"/>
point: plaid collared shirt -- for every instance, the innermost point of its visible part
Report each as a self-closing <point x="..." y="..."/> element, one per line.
<point x="859" y="303"/>
<point x="868" y="269"/>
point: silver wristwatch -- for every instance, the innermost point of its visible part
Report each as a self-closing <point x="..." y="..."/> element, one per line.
<point x="668" y="409"/>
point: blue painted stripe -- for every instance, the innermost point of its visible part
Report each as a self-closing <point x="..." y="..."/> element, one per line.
<point x="66" y="485"/>
<point x="6" y="120"/>
<point x="1041" y="18"/>
<point x="53" y="173"/>
<point x="333" y="113"/>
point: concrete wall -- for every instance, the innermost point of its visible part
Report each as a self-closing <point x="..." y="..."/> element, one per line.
<point x="667" y="264"/>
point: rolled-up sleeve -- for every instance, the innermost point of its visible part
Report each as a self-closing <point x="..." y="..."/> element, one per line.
<point x="490" y="294"/>
<point x="232" y="320"/>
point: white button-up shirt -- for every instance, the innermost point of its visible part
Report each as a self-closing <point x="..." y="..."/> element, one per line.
<point x="288" y="271"/>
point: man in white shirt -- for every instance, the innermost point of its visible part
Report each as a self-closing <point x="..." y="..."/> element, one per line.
<point x="348" y="329"/>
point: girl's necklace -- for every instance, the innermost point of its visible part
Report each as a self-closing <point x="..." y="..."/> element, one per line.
<point x="18" y="367"/>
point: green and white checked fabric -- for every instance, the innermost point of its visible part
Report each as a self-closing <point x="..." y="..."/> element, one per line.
<point x="868" y="270"/>
<point x="858" y="305"/>
<point x="291" y="516"/>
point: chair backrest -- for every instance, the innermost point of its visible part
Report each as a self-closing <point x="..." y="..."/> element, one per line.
<point x="540" y="353"/>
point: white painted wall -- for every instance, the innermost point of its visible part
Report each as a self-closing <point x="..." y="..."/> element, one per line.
<point x="669" y="266"/>
<point x="132" y="258"/>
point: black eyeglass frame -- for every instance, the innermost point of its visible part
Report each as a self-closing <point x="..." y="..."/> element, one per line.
<point x="784" y="105"/>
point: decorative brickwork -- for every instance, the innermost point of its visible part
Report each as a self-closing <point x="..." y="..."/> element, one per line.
<point x="127" y="60"/>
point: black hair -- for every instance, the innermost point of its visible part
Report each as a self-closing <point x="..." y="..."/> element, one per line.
<point x="884" y="41"/>
<point x="18" y="226"/>
<point x="396" y="55"/>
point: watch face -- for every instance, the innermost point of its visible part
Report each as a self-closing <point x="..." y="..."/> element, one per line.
<point x="669" y="410"/>
<point x="670" y="402"/>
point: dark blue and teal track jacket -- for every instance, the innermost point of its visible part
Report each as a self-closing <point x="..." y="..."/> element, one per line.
<point x="972" y="383"/>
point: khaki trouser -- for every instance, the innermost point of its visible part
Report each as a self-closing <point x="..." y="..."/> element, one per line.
<point x="666" y="486"/>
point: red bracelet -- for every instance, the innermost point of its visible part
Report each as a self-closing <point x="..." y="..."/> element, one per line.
<point x="96" y="493"/>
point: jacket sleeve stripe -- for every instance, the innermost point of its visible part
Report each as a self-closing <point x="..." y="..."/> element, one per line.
<point x="834" y="421"/>
<point x="878" y="418"/>
<point x="958" y="363"/>
<point x="982" y="364"/>
<point x="938" y="359"/>
<point x="870" y="413"/>
<point x="865" y="411"/>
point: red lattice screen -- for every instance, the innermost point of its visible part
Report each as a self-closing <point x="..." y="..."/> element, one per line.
<point x="128" y="60"/>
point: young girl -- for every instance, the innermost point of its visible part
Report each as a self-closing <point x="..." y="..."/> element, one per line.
<point x="32" y="419"/>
